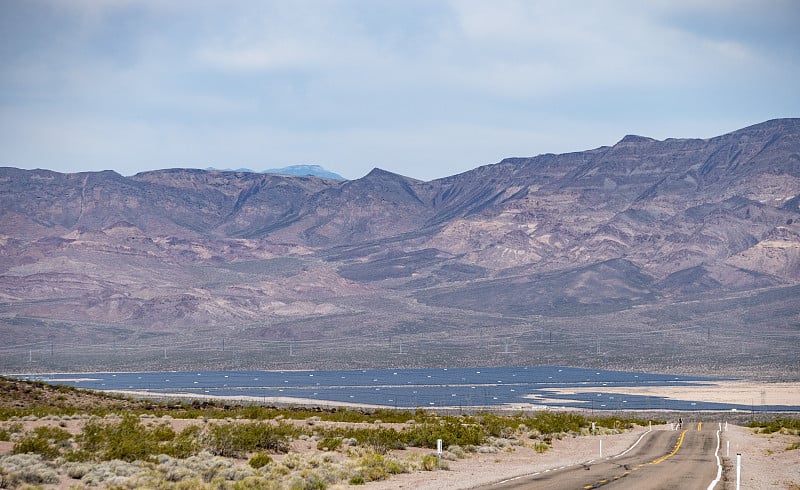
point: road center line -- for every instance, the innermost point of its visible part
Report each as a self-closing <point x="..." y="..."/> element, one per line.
<point x="677" y="446"/>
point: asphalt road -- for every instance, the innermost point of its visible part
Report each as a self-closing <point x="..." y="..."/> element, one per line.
<point x="662" y="459"/>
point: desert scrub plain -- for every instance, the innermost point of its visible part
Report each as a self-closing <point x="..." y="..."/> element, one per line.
<point x="61" y="437"/>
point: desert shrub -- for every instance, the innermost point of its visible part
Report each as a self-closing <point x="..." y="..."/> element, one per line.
<point x="307" y="481"/>
<point x="776" y="425"/>
<point x="26" y="468"/>
<point x="112" y="474"/>
<point x="547" y="422"/>
<point x="450" y="431"/>
<point x="15" y="428"/>
<point x="376" y="467"/>
<point x="186" y="443"/>
<point x="429" y="462"/>
<point x="259" y="460"/>
<point x="76" y="470"/>
<point x="236" y="439"/>
<point x="43" y="440"/>
<point x="357" y="480"/>
<point x="235" y="474"/>
<point x="497" y="426"/>
<point x="378" y="439"/>
<point x="35" y="445"/>
<point x="540" y="447"/>
<point x="329" y="443"/>
<point x="5" y="435"/>
<point x="257" y="483"/>
<point x="162" y="433"/>
<point x="127" y="439"/>
<point x="457" y="451"/>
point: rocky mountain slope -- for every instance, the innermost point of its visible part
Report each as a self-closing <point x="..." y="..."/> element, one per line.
<point x="584" y="244"/>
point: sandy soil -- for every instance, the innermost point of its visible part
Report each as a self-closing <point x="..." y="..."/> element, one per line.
<point x="766" y="462"/>
<point x="739" y="392"/>
<point x="482" y="469"/>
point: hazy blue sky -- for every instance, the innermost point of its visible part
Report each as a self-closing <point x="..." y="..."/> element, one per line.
<point x="422" y="88"/>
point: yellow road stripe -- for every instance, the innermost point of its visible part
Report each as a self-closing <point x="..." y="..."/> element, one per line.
<point x="677" y="446"/>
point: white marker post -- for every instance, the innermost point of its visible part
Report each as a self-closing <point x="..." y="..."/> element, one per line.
<point x="601" y="448"/>
<point x="727" y="449"/>
<point x="738" y="470"/>
<point x="439" y="451"/>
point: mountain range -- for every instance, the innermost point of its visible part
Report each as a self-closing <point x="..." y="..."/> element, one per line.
<point x="688" y="246"/>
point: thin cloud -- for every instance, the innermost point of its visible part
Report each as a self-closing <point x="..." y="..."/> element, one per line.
<point x="423" y="88"/>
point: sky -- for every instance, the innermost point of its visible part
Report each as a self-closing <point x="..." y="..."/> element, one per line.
<point x="422" y="88"/>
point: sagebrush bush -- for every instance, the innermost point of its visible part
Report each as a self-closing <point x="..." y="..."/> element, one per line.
<point x="27" y="468"/>
<point x="75" y="470"/>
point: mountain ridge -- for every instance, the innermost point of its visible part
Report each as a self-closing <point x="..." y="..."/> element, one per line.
<point x="623" y="231"/>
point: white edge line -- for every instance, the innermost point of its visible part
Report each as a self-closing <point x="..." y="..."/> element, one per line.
<point x="588" y="462"/>
<point x="634" y="444"/>
<point x="719" y="467"/>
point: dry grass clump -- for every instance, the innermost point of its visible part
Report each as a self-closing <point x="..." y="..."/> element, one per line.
<point x="26" y="468"/>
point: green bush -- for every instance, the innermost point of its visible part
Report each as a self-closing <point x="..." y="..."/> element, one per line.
<point x="329" y="443"/>
<point x="236" y="439"/>
<point x="379" y="439"/>
<point x="451" y="431"/>
<point x="36" y="445"/>
<point x="44" y="441"/>
<point x="430" y="462"/>
<point x="186" y="443"/>
<point x="130" y="440"/>
<point x="259" y="460"/>
<point x="162" y="433"/>
<point x="376" y="467"/>
<point x="776" y="425"/>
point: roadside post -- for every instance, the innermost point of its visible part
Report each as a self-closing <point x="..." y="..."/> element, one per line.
<point x="439" y="452"/>
<point x="738" y="469"/>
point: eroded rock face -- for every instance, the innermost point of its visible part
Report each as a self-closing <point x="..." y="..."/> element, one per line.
<point x="608" y="229"/>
